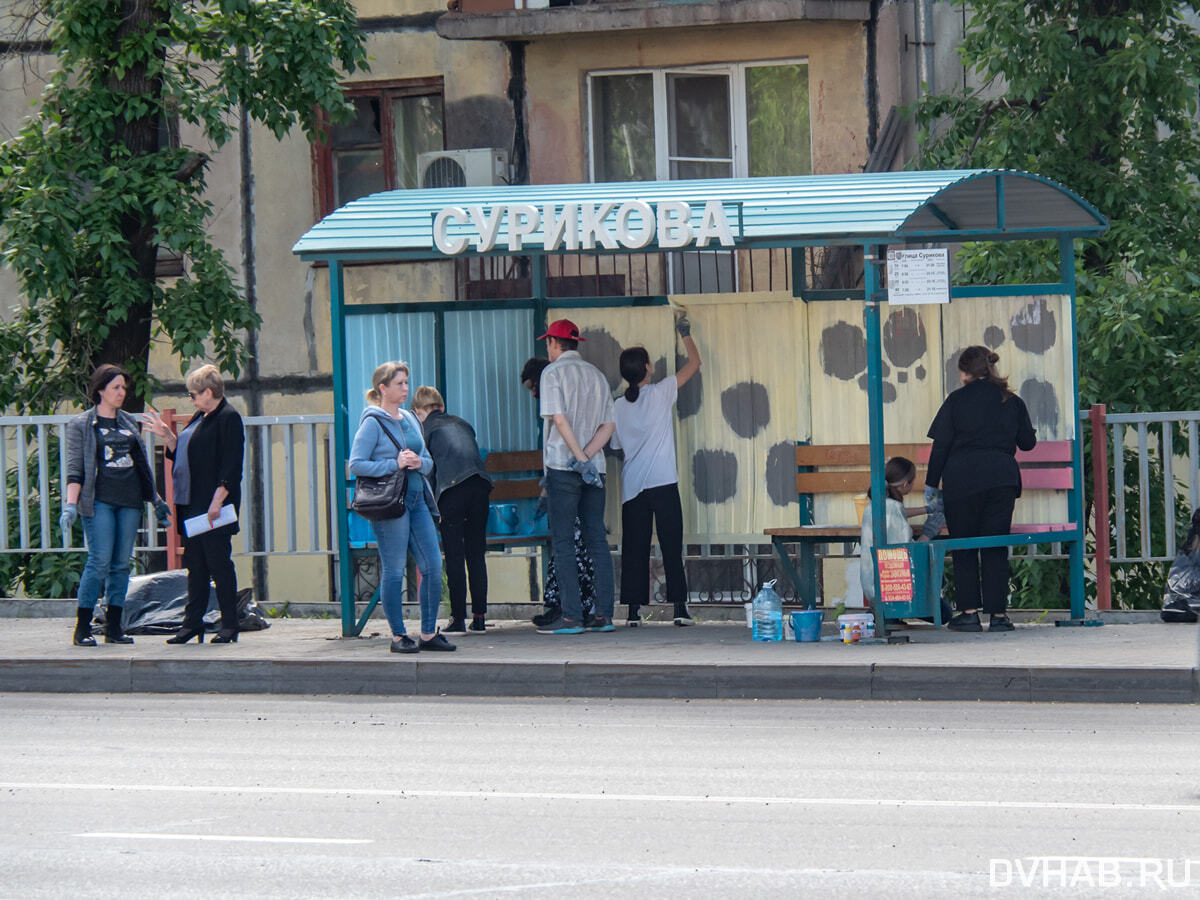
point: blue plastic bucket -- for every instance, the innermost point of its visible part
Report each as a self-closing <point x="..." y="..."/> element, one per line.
<point x="502" y="518"/>
<point x="806" y="624"/>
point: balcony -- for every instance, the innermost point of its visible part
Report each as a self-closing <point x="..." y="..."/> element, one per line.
<point x="532" y="19"/>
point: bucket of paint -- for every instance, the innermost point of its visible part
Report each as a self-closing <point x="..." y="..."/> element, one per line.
<point x="502" y="518"/>
<point x="806" y="624"/>
<point x="855" y="627"/>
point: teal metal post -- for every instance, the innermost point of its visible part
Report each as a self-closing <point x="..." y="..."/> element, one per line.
<point x="1066" y="254"/>
<point x="874" y="296"/>
<point x="341" y="448"/>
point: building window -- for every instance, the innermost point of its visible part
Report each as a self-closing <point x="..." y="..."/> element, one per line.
<point x="377" y="150"/>
<point x="728" y="121"/>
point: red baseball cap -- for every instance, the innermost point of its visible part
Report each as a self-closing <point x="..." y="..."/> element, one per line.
<point x="562" y="328"/>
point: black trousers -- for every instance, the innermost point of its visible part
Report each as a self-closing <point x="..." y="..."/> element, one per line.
<point x="981" y="576"/>
<point x="464" y="510"/>
<point x="208" y="557"/>
<point x="657" y="506"/>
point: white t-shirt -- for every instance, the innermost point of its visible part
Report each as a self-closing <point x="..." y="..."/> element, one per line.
<point x="646" y="432"/>
<point x="898" y="531"/>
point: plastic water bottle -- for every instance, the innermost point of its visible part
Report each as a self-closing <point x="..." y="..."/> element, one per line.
<point x="768" y="614"/>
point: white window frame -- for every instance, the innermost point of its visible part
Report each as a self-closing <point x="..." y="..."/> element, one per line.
<point x="738" y="126"/>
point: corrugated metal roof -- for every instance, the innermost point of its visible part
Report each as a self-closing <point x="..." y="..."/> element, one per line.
<point x="950" y="205"/>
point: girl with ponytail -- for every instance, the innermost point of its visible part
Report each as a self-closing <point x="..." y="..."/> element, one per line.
<point x="650" y="480"/>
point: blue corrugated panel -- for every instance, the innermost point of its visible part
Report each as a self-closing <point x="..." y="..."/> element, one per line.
<point x="374" y="338"/>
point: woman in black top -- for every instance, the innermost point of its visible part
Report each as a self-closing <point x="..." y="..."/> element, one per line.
<point x="207" y="476"/>
<point x="975" y="435"/>
<point x="108" y="482"/>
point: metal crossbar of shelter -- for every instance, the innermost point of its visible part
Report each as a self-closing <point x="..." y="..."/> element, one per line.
<point x="871" y="210"/>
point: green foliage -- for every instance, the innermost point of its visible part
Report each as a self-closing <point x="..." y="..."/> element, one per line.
<point x="91" y="185"/>
<point x="1102" y="98"/>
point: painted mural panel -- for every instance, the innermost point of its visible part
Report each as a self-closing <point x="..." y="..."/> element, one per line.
<point x="912" y="380"/>
<point x="737" y="420"/>
<point x="1032" y="336"/>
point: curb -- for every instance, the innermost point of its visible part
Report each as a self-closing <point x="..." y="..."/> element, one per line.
<point x="870" y="681"/>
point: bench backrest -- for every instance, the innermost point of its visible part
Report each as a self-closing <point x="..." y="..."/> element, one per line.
<point x="845" y="468"/>
<point x="523" y="469"/>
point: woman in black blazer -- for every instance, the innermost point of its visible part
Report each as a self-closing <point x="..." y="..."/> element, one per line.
<point x="207" y="475"/>
<point x="975" y="435"/>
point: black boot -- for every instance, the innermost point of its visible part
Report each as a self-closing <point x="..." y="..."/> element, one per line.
<point x="229" y="623"/>
<point x="113" y="633"/>
<point x="83" y="628"/>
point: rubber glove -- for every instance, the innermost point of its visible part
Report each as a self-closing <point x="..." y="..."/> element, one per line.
<point x="933" y="500"/>
<point x="69" y="514"/>
<point x="162" y="512"/>
<point x="683" y="326"/>
<point x="588" y="472"/>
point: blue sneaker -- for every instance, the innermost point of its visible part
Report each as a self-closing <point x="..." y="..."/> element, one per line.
<point x="561" y="625"/>
<point x="600" y="623"/>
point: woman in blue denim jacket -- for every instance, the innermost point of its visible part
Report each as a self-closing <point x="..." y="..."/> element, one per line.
<point x="374" y="454"/>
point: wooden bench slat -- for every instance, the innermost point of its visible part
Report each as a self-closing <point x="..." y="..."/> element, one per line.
<point x="1043" y="452"/>
<point x="1047" y="479"/>
<point x="513" y="461"/>
<point x="851" y="454"/>
<point x="839" y="482"/>
<point x="515" y="489"/>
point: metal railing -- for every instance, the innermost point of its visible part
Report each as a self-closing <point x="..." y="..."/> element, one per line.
<point x="285" y="507"/>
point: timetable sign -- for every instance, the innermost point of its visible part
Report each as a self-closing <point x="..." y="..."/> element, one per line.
<point x="918" y="276"/>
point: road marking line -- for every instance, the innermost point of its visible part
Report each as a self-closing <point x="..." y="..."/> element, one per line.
<point x="420" y="794"/>
<point x="242" y="838"/>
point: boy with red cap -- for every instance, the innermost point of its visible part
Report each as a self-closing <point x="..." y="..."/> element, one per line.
<point x="577" y="409"/>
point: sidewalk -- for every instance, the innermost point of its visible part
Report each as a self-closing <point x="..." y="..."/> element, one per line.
<point x="1148" y="663"/>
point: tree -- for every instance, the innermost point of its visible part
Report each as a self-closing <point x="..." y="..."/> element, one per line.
<point x="93" y="185"/>
<point x="1100" y="95"/>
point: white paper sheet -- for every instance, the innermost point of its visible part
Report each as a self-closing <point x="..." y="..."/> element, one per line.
<point x="200" y="524"/>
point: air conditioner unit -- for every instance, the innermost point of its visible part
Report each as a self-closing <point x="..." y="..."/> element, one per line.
<point x="462" y="168"/>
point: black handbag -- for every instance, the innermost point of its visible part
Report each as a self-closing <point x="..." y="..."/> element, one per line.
<point x="381" y="497"/>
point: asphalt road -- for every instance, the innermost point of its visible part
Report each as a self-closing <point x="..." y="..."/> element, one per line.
<point x="234" y="796"/>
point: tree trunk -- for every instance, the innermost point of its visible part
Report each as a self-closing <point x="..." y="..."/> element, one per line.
<point x="129" y="341"/>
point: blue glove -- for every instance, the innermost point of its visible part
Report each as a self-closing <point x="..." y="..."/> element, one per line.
<point x="69" y="514"/>
<point x="162" y="512"/>
<point x="683" y="326"/>
<point x="936" y="509"/>
<point x="933" y="500"/>
<point x="588" y="472"/>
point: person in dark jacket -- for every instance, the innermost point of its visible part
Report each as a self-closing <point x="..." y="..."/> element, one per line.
<point x="108" y="481"/>
<point x="976" y="434"/>
<point x="461" y="486"/>
<point x="207" y="476"/>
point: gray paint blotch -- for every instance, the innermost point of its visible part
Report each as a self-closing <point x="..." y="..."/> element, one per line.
<point x="902" y="377"/>
<point x="660" y="370"/>
<point x="904" y="337"/>
<point x="688" y="402"/>
<point x="843" y="350"/>
<point x="920" y="372"/>
<point x="889" y="389"/>
<point x="602" y="350"/>
<point x="1042" y="400"/>
<point x="993" y="336"/>
<point x="746" y="408"/>
<point x="781" y="473"/>
<point x="952" y="382"/>
<point x="714" y="475"/>
<point x="1034" y="328"/>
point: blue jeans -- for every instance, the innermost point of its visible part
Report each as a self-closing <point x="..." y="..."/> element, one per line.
<point x="110" y="533"/>
<point x="568" y="498"/>
<point x="415" y="533"/>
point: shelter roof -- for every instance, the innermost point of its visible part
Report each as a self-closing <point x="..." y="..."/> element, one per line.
<point x="888" y="207"/>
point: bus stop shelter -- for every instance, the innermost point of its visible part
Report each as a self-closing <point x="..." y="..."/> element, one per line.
<point x="866" y="213"/>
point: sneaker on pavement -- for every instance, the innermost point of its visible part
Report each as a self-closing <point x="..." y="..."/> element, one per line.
<point x="456" y="626"/>
<point x="600" y="623"/>
<point x="965" y="622"/>
<point x="437" y="642"/>
<point x="561" y="625"/>
<point x="478" y="625"/>
<point x="547" y="615"/>
<point x="404" y="645"/>
<point x="1000" y="623"/>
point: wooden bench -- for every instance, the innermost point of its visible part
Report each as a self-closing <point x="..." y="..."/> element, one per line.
<point x="519" y="475"/>
<point x="845" y="469"/>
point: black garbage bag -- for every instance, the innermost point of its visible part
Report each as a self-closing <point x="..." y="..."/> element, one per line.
<point x="1181" y="598"/>
<point x="155" y="604"/>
